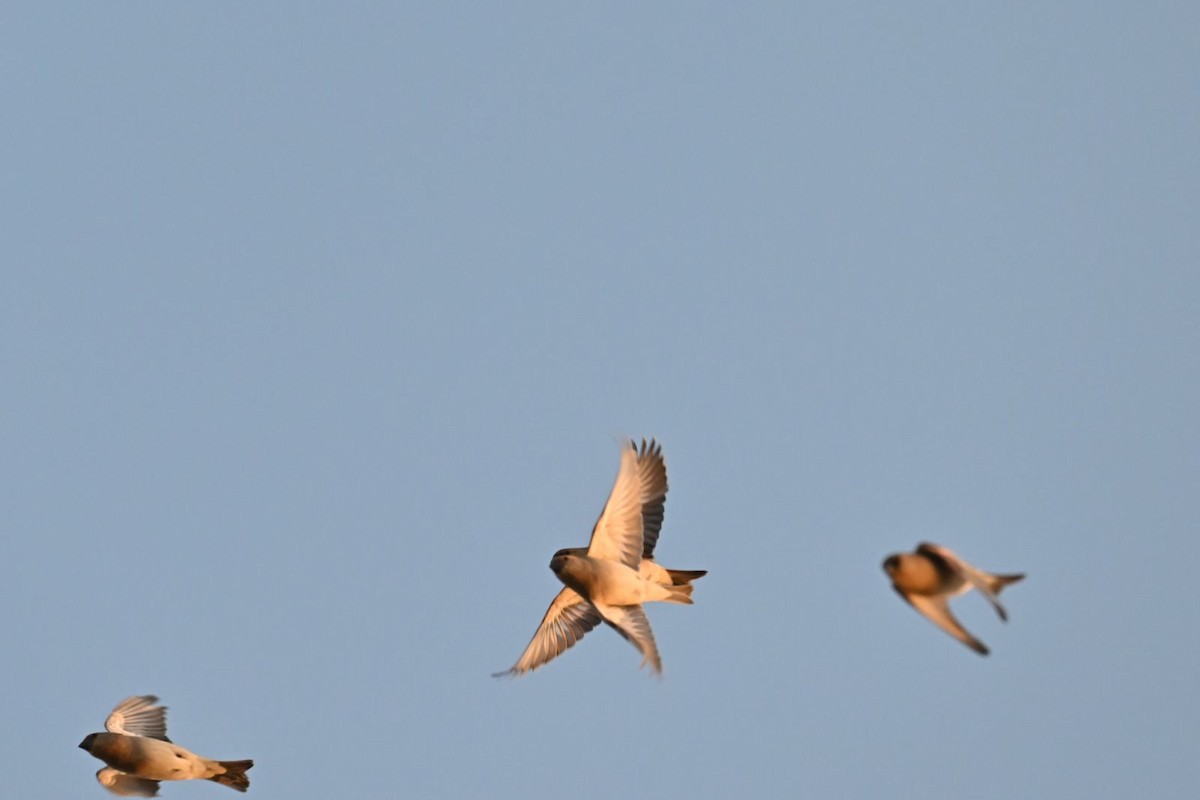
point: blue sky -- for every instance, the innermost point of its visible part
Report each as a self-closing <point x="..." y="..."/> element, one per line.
<point x="320" y="324"/>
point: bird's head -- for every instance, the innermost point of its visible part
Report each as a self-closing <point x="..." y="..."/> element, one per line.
<point x="891" y="564"/>
<point x="88" y="741"/>
<point x="561" y="557"/>
<point x="571" y="551"/>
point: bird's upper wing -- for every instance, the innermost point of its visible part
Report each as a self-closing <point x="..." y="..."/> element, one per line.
<point x="972" y="575"/>
<point x="938" y="612"/>
<point x="652" y="475"/>
<point x="632" y="623"/>
<point x="567" y="620"/>
<point x="126" y="785"/>
<point x="618" y="533"/>
<point x="139" y="716"/>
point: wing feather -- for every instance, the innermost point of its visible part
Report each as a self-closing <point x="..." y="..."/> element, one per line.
<point x="652" y="475"/>
<point x="565" y="623"/>
<point x="937" y="611"/>
<point x="139" y="716"/>
<point x="126" y="785"/>
<point x="617" y="535"/>
<point x="633" y="624"/>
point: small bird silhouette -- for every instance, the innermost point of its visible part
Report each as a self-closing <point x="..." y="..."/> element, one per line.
<point x="139" y="754"/>
<point x="930" y="576"/>
<point x="608" y="580"/>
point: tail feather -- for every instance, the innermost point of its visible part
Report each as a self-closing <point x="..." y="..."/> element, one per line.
<point x="680" y="594"/>
<point x="234" y="775"/>
<point x="682" y="577"/>
<point x="998" y="582"/>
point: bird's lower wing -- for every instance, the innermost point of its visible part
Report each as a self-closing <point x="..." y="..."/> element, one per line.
<point x="632" y="623"/>
<point x="938" y="612"/>
<point x="567" y="620"/>
<point x="126" y="785"/>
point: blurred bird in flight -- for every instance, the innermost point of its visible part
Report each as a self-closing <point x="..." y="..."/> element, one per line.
<point x="930" y="576"/>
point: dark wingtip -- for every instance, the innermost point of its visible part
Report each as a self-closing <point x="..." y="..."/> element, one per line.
<point x="652" y="447"/>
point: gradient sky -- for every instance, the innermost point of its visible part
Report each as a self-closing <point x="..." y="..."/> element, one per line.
<point x="319" y="325"/>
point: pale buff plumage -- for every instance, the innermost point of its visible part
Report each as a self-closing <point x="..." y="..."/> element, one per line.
<point x="139" y="754"/>
<point x="930" y="576"/>
<point x="610" y="578"/>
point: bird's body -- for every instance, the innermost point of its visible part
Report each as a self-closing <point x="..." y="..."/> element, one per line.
<point x="151" y="758"/>
<point x="917" y="573"/>
<point x="611" y="583"/>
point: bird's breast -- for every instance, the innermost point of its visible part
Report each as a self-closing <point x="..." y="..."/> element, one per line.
<point x="919" y="575"/>
<point x="602" y="581"/>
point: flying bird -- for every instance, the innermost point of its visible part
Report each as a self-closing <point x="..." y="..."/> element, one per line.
<point x="139" y="754"/>
<point x="608" y="580"/>
<point x="930" y="576"/>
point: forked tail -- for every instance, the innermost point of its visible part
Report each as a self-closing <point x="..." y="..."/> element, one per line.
<point x="234" y="775"/>
<point x="682" y="577"/>
<point x="998" y="582"/>
<point x="679" y="594"/>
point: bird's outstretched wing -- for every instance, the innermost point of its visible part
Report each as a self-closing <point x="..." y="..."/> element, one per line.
<point x="938" y="612"/>
<point x="617" y="535"/>
<point x="565" y="623"/>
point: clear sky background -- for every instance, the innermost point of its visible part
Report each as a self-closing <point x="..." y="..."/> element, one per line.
<point x="319" y="325"/>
